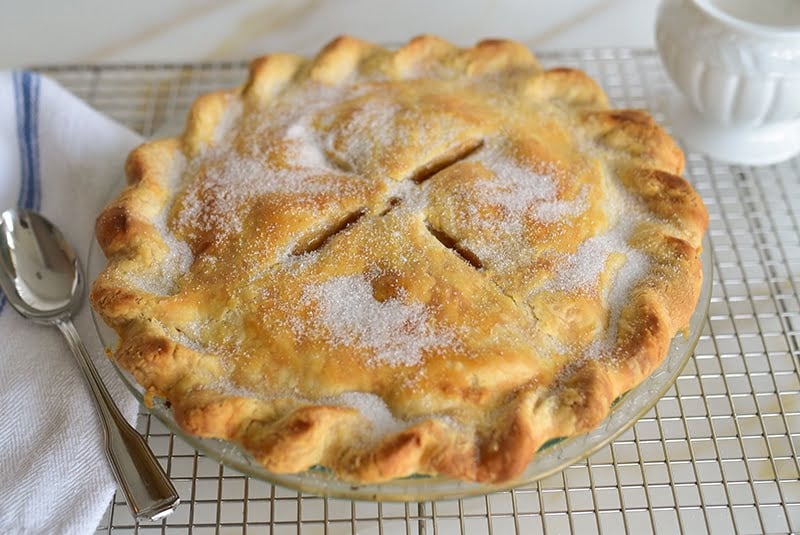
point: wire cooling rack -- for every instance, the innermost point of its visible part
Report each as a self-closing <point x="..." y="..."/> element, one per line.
<point x="718" y="453"/>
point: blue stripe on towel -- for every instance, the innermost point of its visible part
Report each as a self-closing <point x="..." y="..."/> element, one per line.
<point x="27" y="95"/>
<point x="26" y="101"/>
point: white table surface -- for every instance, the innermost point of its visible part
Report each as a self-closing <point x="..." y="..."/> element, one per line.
<point x="44" y="32"/>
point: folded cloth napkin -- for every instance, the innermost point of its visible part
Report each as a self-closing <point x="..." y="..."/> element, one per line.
<point x="62" y="158"/>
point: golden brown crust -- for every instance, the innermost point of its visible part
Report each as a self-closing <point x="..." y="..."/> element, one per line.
<point x="447" y="257"/>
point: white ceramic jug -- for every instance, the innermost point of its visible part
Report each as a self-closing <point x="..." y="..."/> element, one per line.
<point x="737" y="63"/>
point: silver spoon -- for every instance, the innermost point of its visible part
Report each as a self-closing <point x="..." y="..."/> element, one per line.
<point x="42" y="279"/>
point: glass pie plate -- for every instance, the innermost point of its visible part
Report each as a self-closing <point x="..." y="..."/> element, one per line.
<point x="553" y="457"/>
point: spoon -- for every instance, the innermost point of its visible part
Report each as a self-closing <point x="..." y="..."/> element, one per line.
<point x="42" y="279"/>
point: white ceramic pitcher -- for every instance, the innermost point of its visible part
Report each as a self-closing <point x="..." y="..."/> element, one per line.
<point x="737" y="63"/>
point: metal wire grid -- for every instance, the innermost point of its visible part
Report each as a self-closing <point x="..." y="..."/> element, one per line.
<point x="718" y="453"/>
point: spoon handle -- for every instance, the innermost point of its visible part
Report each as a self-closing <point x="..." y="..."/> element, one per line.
<point x="148" y="490"/>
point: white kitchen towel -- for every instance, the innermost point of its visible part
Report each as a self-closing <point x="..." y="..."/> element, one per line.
<point x="62" y="158"/>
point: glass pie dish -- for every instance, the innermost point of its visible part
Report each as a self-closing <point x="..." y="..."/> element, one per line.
<point x="553" y="457"/>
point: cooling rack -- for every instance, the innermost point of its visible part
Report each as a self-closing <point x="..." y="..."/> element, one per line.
<point x="718" y="453"/>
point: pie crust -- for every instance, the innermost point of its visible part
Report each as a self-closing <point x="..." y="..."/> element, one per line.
<point x="430" y="260"/>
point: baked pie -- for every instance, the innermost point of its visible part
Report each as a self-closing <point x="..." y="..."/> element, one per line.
<point x="430" y="260"/>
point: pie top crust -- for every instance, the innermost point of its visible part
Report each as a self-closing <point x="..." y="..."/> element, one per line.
<point x="427" y="260"/>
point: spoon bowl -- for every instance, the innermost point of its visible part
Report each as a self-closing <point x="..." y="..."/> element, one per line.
<point x="39" y="271"/>
<point x="42" y="280"/>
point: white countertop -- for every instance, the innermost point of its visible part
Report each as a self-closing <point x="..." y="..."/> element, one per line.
<point x="42" y="32"/>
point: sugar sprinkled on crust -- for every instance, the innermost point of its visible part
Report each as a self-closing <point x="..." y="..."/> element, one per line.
<point x="178" y="260"/>
<point x="214" y="203"/>
<point x="397" y="332"/>
<point x="371" y="407"/>
<point x="160" y="278"/>
<point x="522" y="190"/>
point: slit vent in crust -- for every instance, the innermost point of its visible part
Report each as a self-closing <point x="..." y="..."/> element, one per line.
<point x="453" y="244"/>
<point x="316" y="240"/>
<point x="443" y="161"/>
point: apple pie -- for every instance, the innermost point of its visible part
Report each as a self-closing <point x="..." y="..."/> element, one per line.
<point x="427" y="260"/>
